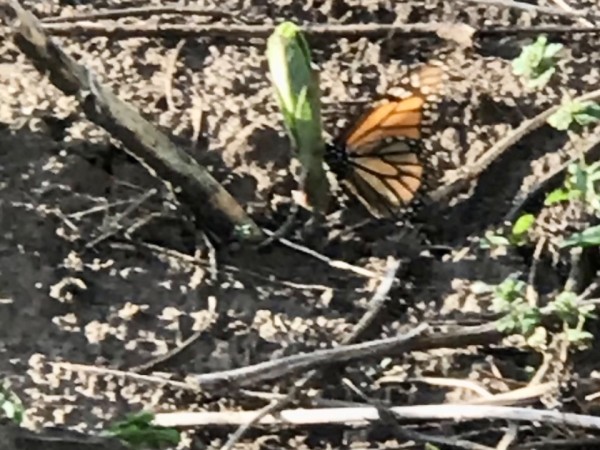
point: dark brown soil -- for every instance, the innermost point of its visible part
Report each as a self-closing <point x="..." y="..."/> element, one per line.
<point x="134" y="296"/>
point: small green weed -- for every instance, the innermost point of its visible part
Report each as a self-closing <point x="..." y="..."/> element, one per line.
<point x="536" y="62"/>
<point x="138" y="432"/>
<point x="575" y="115"/>
<point x="520" y="317"/>
<point x="517" y="235"/>
<point x="11" y="405"/>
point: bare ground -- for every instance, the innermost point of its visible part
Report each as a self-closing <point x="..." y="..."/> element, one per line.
<point x="143" y="289"/>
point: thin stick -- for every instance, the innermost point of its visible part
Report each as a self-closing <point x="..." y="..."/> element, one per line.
<point x="415" y="30"/>
<point x="446" y="382"/>
<point x="560" y="443"/>
<point x="527" y="394"/>
<point x="272" y="369"/>
<point x="116" y="224"/>
<point x="566" y="7"/>
<point x="283" y="229"/>
<point x="161" y="359"/>
<point x="388" y="418"/>
<point x="531" y="294"/>
<point x="331" y="262"/>
<point x="532" y="8"/>
<point x="466" y="175"/>
<point x="141" y="12"/>
<point x="378" y="299"/>
<point x="509" y="437"/>
<point x="197" y="118"/>
<point x="521" y="199"/>
<point x="171" y="68"/>
<point x="83" y="368"/>
<point x="363" y="415"/>
<point x="195" y="261"/>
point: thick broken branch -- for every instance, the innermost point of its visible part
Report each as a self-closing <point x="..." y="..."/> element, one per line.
<point x="212" y="205"/>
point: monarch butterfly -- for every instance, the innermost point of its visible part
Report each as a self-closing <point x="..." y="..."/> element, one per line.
<point x="378" y="159"/>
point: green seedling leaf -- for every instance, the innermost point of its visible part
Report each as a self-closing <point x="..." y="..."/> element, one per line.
<point x="536" y="62"/>
<point x="588" y="114"/>
<point x="521" y="318"/>
<point x="523" y="225"/>
<point x="552" y="50"/>
<point x="576" y="336"/>
<point x="541" y="80"/>
<point x="557" y="196"/>
<point x="561" y="119"/>
<point x="11" y="405"/>
<point x="510" y="289"/>
<point x="494" y="240"/>
<point x="574" y="114"/>
<point x="587" y="238"/>
<point x="138" y="431"/>
<point x="566" y="307"/>
<point x="519" y="315"/>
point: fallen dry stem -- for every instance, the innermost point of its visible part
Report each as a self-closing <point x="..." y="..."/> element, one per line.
<point x="389" y="420"/>
<point x="277" y="368"/>
<point x="212" y="205"/>
<point x="363" y="415"/>
<point x="151" y="379"/>
<point x="229" y="30"/>
<point x="140" y="12"/>
<point x="523" y="6"/>
<point x="289" y="365"/>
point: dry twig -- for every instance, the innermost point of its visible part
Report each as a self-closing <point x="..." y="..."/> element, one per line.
<point x="277" y="368"/>
<point x="364" y="415"/>
<point x="388" y="418"/>
<point x="229" y="30"/>
<point x="523" y="6"/>
<point x="140" y="12"/>
<point x="171" y="68"/>
<point x="524" y="197"/>
<point x="331" y="262"/>
<point x="465" y="175"/>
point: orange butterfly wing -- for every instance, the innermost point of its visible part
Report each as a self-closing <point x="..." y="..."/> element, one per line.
<point x="386" y="176"/>
<point x="388" y="181"/>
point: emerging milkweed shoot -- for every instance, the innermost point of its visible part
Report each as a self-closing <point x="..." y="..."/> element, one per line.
<point x="297" y="92"/>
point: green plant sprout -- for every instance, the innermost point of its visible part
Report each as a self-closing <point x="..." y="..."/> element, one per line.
<point x="138" y="432"/>
<point x="297" y="92"/>
<point x="567" y="308"/>
<point x="536" y="62"/>
<point x="590" y="237"/>
<point x="519" y="316"/>
<point x="575" y="115"/>
<point x="517" y="235"/>
<point x="10" y="405"/>
<point x="580" y="183"/>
